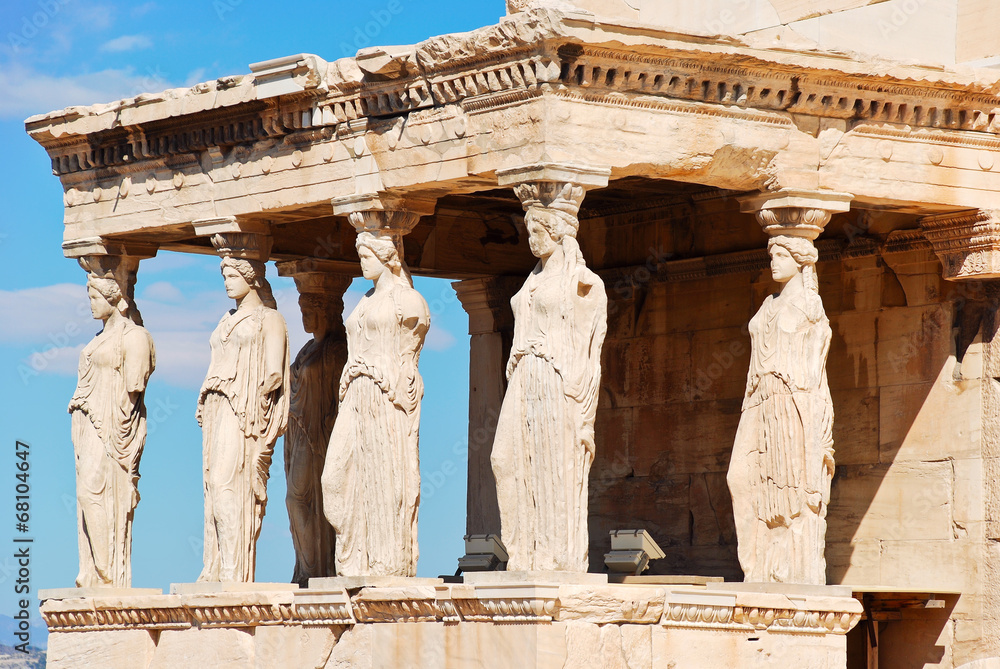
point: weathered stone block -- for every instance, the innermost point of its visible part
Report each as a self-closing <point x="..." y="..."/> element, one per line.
<point x="905" y="501"/>
<point x="856" y="426"/>
<point x="225" y="648"/>
<point x="127" y="649"/>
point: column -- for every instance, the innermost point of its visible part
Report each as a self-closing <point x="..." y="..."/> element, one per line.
<point x="371" y="477"/>
<point x="544" y="444"/>
<point x="315" y="384"/>
<point x="108" y="413"/>
<point x="491" y="326"/>
<point x="243" y="402"/>
<point x="782" y="463"/>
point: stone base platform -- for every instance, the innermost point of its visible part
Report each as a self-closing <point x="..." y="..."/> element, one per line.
<point x="445" y="626"/>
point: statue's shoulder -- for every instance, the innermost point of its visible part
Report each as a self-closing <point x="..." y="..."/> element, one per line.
<point x="410" y="302"/>
<point x="136" y="336"/>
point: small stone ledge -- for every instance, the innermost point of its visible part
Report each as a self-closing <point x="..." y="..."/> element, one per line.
<point x="691" y="607"/>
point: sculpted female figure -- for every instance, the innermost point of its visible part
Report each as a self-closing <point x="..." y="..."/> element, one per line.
<point x="314" y="376"/>
<point x="544" y="443"/>
<point x="109" y="431"/>
<point x="371" y="480"/>
<point x="242" y="409"/>
<point x="782" y="464"/>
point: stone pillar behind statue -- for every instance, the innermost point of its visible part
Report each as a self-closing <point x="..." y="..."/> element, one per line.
<point x="491" y="330"/>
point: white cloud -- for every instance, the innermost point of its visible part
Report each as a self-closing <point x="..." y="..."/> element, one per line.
<point x="142" y="9"/>
<point x="162" y="291"/>
<point x="56" y="315"/>
<point x="439" y="339"/>
<point x="25" y="92"/>
<point x="127" y="43"/>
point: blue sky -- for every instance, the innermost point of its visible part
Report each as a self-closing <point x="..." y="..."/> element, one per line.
<point x="57" y="53"/>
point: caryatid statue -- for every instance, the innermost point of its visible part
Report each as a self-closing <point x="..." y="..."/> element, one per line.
<point x="782" y="463"/>
<point x="109" y="423"/>
<point x="242" y="409"/>
<point x="315" y="378"/>
<point x="544" y="443"/>
<point x="371" y="480"/>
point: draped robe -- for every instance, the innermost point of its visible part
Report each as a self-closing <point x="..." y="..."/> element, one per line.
<point x="240" y="425"/>
<point x="109" y="431"/>
<point x="544" y="442"/>
<point x="780" y="473"/>
<point x="312" y="411"/>
<point x="371" y="479"/>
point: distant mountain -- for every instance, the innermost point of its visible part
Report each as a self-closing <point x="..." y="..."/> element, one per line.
<point x="15" y="659"/>
<point x="39" y="632"/>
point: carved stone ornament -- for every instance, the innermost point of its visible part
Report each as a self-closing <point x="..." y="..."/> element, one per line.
<point x="109" y="422"/>
<point x="967" y="243"/>
<point x="544" y="443"/>
<point x="371" y="478"/>
<point x="242" y="409"/>
<point x="782" y="463"/>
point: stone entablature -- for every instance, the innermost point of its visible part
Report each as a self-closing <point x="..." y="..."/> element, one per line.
<point x="280" y="143"/>
<point x="967" y="243"/>
<point x="691" y="607"/>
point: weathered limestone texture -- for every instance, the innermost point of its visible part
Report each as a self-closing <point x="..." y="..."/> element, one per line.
<point x="109" y="423"/>
<point x="544" y="442"/>
<point x="371" y="480"/>
<point x="243" y="409"/>
<point x="311" y="415"/>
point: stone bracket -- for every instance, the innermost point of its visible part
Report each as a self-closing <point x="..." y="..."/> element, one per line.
<point x="580" y="175"/>
<point x="967" y="243"/>
<point x="236" y="237"/>
<point x="795" y="212"/>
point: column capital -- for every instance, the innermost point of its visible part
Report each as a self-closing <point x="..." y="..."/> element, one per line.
<point x="99" y="246"/>
<point x="237" y="238"/>
<point x="487" y="301"/>
<point x="796" y="213"/>
<point x="967" y="243"/>
<point x="586" y="176"/>
<point x="383" y="214"/>
<point x="313" y="275"/>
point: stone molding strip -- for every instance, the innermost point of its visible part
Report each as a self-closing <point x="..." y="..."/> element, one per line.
<point x="690" y="607"/>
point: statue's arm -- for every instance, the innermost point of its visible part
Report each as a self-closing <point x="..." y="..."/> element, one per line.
<point x="138" y="363"/>
<point x="275" y="344"/>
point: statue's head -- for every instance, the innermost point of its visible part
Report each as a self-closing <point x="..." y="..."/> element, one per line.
<point x="378" y="253"/>
<point x="547" y="228"/>
<point x="106" y="297"/>
<point x="793" y="255"/>
<point x="318" y="311"/>
<point x="244" y="276"/>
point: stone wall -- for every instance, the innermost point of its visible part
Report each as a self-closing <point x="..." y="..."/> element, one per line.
<point x="904" y="368"/>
